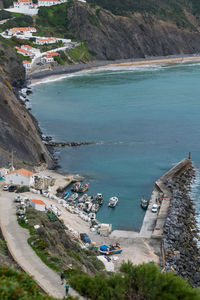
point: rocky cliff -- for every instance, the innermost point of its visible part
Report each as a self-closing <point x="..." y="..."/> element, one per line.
<point x="111" y="37"/>
<point x="18" y="129"/>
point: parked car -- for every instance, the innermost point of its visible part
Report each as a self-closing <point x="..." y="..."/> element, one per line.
<point x="5" y="188"/>
<point x="155" y="208"/>
<point x="12" y="188"/>
<point x="85" y="238"/>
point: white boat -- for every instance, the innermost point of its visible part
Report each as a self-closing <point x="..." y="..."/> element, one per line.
<point x="76" y="186"/>
<point x="83" y="198"/>
<point x="88" y="206"/>
<point x="92" y="215"/>
<point x="73" y="197"/>
<point x="113" y="201"/>
<point x="95" y="207"/>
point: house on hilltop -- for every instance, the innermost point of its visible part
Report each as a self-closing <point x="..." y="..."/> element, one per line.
<point x="20" y="177"/>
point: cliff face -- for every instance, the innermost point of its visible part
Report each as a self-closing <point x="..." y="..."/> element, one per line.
<point x="18" y="129"/>
<point x="116" y="37"/>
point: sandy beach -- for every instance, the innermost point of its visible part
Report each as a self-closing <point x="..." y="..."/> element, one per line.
<point x="61" y="72"/>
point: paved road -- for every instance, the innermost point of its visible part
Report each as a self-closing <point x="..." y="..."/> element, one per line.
<point x="16" y="238"/>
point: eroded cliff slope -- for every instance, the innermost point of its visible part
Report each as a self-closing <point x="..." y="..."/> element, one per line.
<point x="18" y="129"/>
<point x="111" y="37"/>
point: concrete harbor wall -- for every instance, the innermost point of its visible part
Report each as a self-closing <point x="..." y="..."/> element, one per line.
<point x="161" y="187"/>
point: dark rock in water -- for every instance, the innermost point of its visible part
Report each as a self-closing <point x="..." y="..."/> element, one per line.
<point x="47" y="138"/>
<point x="29" y="91"/>
<point x="69" y="144"/>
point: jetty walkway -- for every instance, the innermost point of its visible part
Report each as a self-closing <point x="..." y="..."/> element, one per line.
<point x="16" y="239"/>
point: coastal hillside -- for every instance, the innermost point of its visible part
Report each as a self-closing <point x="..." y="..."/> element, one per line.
<point x="121" y="30"/>
<point x="18" y="129"/>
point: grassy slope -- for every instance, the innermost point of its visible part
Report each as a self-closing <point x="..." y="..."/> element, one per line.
<point x="168" y="10"/>
<point x="56" y="248"/>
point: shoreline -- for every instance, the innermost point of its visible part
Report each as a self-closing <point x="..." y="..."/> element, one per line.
<point x="61" y="72"/>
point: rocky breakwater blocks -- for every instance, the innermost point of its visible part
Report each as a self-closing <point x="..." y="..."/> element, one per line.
<point x="180" y="230"/>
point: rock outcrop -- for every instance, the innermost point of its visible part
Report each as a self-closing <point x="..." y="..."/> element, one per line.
<point x="18" y="129"/>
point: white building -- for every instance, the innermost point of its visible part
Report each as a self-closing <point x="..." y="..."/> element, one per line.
<point x="43" y="41"/>
<point x="27" y="64"/>
<point x="47" y="59"/>
<point x="23" y="4"/>
<point x="38" y="204"/>
<point x="21" y="30"/>
<point x="25" y="52"/>
<point x="29" y="48"/>
<point x="20" y="177"/>
<point x="48" y="2"/>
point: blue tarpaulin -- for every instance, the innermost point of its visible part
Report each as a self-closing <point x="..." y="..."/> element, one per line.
<point x="104" y="247"/>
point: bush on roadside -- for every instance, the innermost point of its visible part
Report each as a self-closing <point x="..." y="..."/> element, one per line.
<point x="22" y="189"/>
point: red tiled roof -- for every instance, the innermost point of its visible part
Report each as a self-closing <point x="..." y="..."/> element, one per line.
<point x="21" y="29"/>
<point x="27" y="1"/>
<point x="53" y="53"/>
<point x="47" y="0"/>
<point x="27" y="46"/>
<point x="24" y="51"/>
<point x="38" y="202"/>
<point x="47" y="39"/>
<point x="23" y="172"/>
<point x="26" y="62"/>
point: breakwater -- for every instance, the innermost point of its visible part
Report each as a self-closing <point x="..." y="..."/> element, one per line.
<point x="180" y="232"/>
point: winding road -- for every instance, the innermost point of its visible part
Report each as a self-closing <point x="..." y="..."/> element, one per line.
<point x="16" y="238"/>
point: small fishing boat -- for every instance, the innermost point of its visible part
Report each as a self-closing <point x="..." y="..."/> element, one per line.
<point x="83" y="188"/>
<point x="144" y="203"/>
<point x="83" y="198"/>
<point x="76" y="186"/>
<point x="111" y="249"/>
<point x="66" y="195"/>
<point x="95" y="207"/>
<point x="73" y="197"/>
<point x="88" y="206"/>
<point x="113" y="201"/>
<point x="92" y="215"/>
<point x="99" y="198"/>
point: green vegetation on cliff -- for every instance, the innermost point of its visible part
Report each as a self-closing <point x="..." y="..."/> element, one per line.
<point x="143" y="282"/>
<point x="52" y="21"/>
<point x="169" y="10"/>
<point x="19" y="286"/>
<point x="56" y="248"/>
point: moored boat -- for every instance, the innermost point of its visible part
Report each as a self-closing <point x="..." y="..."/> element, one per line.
<point x="83" y="198"/>
<point x="83" y="188"/>
<point x="76" y="186"/>
<point x="66" y="195"/>
<point x="144" y="203"/>
<point x="73" y="197"/>
<point x="113" y="201"/>
<point x="99" y="198"/>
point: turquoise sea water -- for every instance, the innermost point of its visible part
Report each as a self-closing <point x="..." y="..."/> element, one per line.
<point x="144" y="120"/>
